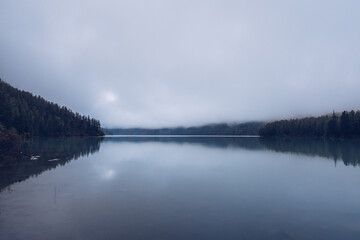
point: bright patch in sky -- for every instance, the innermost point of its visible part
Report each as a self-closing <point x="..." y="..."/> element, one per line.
<point x="110" y="97"/>
<point x="109" y="174"/>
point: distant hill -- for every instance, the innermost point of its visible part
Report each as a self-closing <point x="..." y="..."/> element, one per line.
<point x="32" y="115"/>
<point x="249" y="128"/>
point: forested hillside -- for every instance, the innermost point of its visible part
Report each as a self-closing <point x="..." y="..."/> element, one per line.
<point x="344" y="125"/>
<point x="249" y="128"/>
<point x="32" y="115"/>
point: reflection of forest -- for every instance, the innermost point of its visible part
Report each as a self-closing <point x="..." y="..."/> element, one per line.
<point x="59" y="151"/>
<point x="251" y="143"/>
<point x="346" y="150"/>
<point x="52" y="152"/>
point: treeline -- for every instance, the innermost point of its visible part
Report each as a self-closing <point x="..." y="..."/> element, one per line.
<point x="344" y="125"/>
<point x="249" y="128"/>
<point x="32" y="115"/>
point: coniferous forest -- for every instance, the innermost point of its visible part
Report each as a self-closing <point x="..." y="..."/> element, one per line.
<point x="344" y="125"/>
<point x="30" y="115"/>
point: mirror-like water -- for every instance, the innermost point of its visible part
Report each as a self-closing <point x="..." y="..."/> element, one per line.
<point x="181" y="188"/>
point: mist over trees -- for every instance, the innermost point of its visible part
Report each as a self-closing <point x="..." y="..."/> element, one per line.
<point x="344" y="125"/>
<point x="32" y="115"/>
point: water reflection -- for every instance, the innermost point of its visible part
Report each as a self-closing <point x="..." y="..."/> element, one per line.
<point x="250" y="143"/>
<point x="181" y="188"/>
<point x="42" y="154"/>
<point x="346" y="150"/>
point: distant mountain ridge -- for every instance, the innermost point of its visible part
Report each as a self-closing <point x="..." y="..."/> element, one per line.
<point x="248" y="128"/>
<point x="32" y="115"/>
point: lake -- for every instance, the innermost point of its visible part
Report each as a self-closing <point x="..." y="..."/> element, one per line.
<point x="181" y="188"/>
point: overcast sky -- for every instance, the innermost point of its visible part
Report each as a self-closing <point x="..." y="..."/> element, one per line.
<point x="169" y="63"/>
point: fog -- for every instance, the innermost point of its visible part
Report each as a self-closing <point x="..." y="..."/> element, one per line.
<point x="179" y="63"/>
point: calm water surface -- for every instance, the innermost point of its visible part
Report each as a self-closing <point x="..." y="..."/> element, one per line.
<point x="181" y="188"/>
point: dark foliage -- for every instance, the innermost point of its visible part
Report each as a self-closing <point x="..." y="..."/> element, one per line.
<point x="9" y="141"/>
<point x="249" y="128"/>
<point x="345" y="125"/>
<point x="34" y="116"/>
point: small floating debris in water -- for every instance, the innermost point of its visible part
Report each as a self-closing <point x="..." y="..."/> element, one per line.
<point x="34" y="157"/>
<point x="52" y="160"/>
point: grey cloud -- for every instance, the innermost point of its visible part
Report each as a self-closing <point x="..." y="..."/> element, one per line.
<point x="171" y="63"/>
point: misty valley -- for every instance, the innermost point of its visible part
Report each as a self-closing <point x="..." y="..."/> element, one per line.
<point x="179" y="120"/>
<point x="64" y="176"/>
<point x="181" y="187"/>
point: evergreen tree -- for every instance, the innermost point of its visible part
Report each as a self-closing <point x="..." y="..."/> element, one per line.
<point x="347" y="125"/>
<point x="34" y="116"/>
